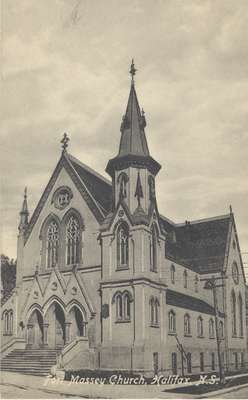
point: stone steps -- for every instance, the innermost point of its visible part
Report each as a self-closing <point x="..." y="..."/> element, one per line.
<point x="30" y="361"/>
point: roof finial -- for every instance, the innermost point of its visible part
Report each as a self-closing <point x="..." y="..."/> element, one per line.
<point x="64" y="142"/>
<point x="132" y="71"/>
<point x="24" y="212"/>
<point x="230" y="208"/>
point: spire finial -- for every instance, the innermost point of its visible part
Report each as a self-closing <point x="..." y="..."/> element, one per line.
<point x="64" y="142"/>
<point x="230" y="208"/>
<point x="132" y="71"/>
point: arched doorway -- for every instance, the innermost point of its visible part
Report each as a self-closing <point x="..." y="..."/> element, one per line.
<point x="55" y="320"/>
<point x="35" y="331"/>
<point x="77" y="323"/>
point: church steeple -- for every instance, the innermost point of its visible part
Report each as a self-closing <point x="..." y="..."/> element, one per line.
<point x="24" y="212"/>
<point x="133" y="149"/>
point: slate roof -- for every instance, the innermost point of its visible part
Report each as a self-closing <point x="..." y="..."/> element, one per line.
<point x="200" y="245"/>
<point x="182" y="300"/>
<point x="98" y="186"/>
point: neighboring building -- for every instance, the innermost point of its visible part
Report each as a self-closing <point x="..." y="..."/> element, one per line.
<point x="110" y="283"/>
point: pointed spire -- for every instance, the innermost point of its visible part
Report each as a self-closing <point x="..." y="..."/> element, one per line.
<point x="133" y="138"/>
<point x="133" y="149"/>
<point x="24" y="212"/>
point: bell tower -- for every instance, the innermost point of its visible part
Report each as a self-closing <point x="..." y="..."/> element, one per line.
<point x="133" y="170"/>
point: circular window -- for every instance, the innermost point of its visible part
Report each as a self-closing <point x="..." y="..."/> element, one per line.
<point x="235" y="273"/>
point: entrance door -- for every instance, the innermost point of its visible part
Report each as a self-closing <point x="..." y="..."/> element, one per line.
<point x="59" y="327"/>
<point x="35" y="334"/>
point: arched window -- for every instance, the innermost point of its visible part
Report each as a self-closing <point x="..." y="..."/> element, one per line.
<point x="122" y="246"/>
<point x="221" y="329"/>
<point x="119" y="308"/>
<point x="153" y="250"/>
<point x="189" y="365"/>
<point x="10" y="322"/>
<point x="154" y="311"/>
<point x="233" y="314"/>
<point x="123" y="306"/>
<point x="126" y="302"/>
<point x="156" y="321"/>
<point x="6" y="322"/>
<point x="211" y="328"/>
<point x="122" y="182"/>
<point x="73" y="237"/>
<point x="241" y="324"/>
<point x="200" y="326"/>
<point x="187" y="328"/>
<point x="172" y="274"/>
<point x="196" y="284"/>
<point x="172" y="321"/>
<point x="52" y="244"/>
<point x="185" y="279"/>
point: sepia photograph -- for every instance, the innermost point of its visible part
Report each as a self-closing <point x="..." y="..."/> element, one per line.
<point x="124" y="199"/>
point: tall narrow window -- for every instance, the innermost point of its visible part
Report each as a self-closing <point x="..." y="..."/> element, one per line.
<point x="119" y="308"/>
<point x="221" y="329"/>
<point x="233" y="314"/>
<point x="174" y="363"/>
<point x="202" y="362"/>
<point x="241" y="324"/>
<point x="213" y="361"/>
<point x="211" y="328"/>
<point x="156" y="320"/>
<point x="187" y="330"/>
<point x="200" y="326"/>
<point x="72" y="241"/>
<point x="10" y="322"/>
<point x="6" y="322"/>
<point x="172" y="322"/>
<point x="172" y="274"/>
<point x="154" y="311"/>
<point x="122" y="246"/>
<point x="189" y="365"/>
<point x="185" y="279"/>
<point x="52" y="244"/>
<point x="153" y="250"/>
<point x="126" y="302"/>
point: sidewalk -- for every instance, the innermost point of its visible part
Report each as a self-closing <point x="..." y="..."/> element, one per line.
<point x="98" y="390"/>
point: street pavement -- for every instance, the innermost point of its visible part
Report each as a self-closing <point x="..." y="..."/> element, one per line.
<point x="18" y="386"/>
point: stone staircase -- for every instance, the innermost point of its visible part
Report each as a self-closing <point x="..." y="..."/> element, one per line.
<point x="30" y="361"/>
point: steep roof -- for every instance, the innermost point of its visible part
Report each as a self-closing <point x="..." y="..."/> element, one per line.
<point x="133" y="138"/>
<point x="182" y="300"/>
<point x="98" y="186"/>
<point x="201" y="244"/>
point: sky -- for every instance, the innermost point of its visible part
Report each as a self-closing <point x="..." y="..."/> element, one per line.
<point x="65" y="68"/>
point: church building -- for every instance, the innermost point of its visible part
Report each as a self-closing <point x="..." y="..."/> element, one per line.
<point x="105" y="281"/>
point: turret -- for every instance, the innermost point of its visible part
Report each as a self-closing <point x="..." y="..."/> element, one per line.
<point x="20" y="240"/>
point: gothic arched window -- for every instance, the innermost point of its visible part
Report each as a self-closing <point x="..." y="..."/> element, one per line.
<point x="153" y="249"/>
<point x="122" y="246"/>
<point x="211" y="328"/>
<point x="122" y="182"/>
<point x="154" y="311"/>
<point x="221" y="329"/>
<point x="126" y="303"/>
<point x="200" y="326"/>
<point x="52" y="244"/>
<point x="241" y="324"/>
<point x="172" y="321"/>
<point x="119" y="307"/>
<point x="172" y="274"/>
<point x="233" y="314"/>
<point x="187" y="329"/>
<point x="73" y="236"/>
<point x="185" y="279"/>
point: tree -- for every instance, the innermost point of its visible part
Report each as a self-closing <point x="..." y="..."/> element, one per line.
<point x="8" y="275"/>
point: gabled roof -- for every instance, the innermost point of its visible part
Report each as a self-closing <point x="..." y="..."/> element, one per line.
<point x="98" y="186"/>
<point x="201" y="244"/>
<point x="96" y="190"/>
